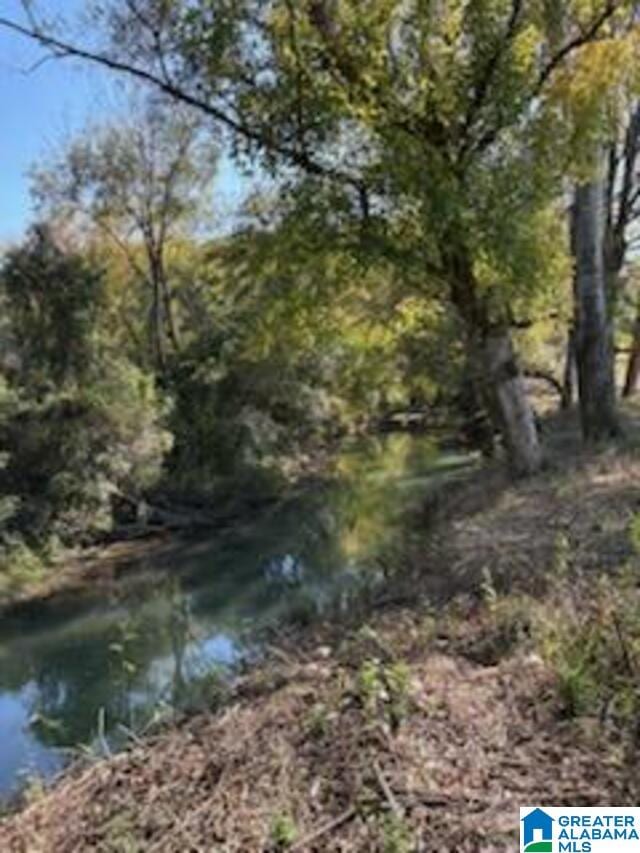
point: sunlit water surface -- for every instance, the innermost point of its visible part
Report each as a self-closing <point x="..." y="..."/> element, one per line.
<point x="83" y="671"/>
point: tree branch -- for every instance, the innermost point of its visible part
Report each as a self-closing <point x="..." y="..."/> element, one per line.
<point x="610" y="8"/>
<point x="583" y="38"/>
<point x="482" y="89"/>
<point x="628" y="196"/>
<point x="63" y="49"/>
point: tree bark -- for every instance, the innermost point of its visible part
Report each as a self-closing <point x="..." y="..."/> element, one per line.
<point x="569" y="378"/>
<point x="633" y="366"/>
<point x="497" y="374"/>
<point x="593" y="337"/>
<point x="157" y="330"/>
<point x="509" y="405"/>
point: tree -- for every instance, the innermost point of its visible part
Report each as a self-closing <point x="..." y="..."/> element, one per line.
<point x="78" y="423"/>
<point x="593" y="336"/>
<point x="599" y="93"/>
<point x="428" y="113"/>
<point x="623" y="210"/>
<point x="52" y="300"/>
<point x="141" y="182"/>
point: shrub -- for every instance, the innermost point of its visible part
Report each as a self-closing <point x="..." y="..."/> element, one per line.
<point x="69" y="454"/>
<point x="589" y="632"/>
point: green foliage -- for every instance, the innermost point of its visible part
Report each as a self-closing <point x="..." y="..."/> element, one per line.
<point x="20" y="565"/>
<point x="397" y="836"/>
<point x="591" y="637"/>
<point x="318" y="721"/>
<point x="53" y="299"/>
<point x="304" y="342"/>
<point x="383" y="690"/>
<point x="79" y="424"/>
<point x="429" y="143"/>
<point x="283" y="831"/>
<point x="403" y="91"/>
<point x="70" y="454"/>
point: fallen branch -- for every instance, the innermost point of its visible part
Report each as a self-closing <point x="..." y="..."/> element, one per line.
<point x="340" y="820"/>
<point x="394" y="805"/>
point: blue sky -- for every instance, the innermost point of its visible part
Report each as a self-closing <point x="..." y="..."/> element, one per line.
<point x="40" y="107"/>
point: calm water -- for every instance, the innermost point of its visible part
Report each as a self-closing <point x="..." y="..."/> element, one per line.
<point x="78" y="671"/>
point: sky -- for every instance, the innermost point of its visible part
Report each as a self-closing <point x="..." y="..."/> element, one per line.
<point x="41" y="106"/>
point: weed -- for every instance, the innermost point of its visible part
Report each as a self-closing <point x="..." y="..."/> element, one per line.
<point x="318" y="720"/>
<point x="383" y="690"/>
<point x="283" y="831"/>
<point x="20" y="566"/>
<point x="120" y="835"/>
<point x="590" y="635"/>
<point x="396" y="835"/>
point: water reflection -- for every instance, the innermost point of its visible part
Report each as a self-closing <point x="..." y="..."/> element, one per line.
<point x="77" y="664"/>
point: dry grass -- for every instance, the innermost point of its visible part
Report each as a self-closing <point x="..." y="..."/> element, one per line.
<point x="583" y="502"/>
<point x="304" y="748"/>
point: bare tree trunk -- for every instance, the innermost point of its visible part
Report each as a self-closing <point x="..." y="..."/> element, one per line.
<point x="498" y="375"/>
<point x="633" y="366"/>
<point x="594" y="349"/>
<point x="157" y="330"/>
<point x="162" y="311"/>
<point x="161" y="274"/>
<point x="509" y="406"/>
<point x="569" y="377"/>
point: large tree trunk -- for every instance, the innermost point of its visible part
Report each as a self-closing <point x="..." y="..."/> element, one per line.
<point x="498" y="375"/>
<point x="633" y="366"/>
<point x="507" y="400"/>
<point x="593" y="337"/>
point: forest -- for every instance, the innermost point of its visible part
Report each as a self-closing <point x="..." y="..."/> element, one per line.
<point x="438" y="238"/>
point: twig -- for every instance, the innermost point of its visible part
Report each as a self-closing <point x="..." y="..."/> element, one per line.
<point x="325" y="828"/>
<point x="395" y="806"/>
<point x="131" y="735"/>
<point x="626" y="654"/>
<point x="101" y="733"/>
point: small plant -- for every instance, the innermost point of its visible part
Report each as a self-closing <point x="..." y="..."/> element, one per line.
<point x="383" y="690"/>
<point x="396" y="835"/>
<point x="591" y="639"/>
<point x="397" y="679"/>
<point x="283" y="831"/>
<point x="370" y="685"/>
<point x="20" y="566"/>
<point x="507" y="624"/>
<point x="34" y="790"/>
<point x="317" y="722"/>
<point x="207" y="692"/>
<point x="120" y="835"/>
<point x="488" y="589"/>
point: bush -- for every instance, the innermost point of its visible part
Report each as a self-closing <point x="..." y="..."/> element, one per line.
<point x="71" y="453"/>
<point x="19" y="565"/>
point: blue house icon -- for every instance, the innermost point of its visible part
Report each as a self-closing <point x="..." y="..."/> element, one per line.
<point x="537" y="830"/>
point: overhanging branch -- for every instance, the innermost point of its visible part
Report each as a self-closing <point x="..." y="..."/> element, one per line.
<point x="294" y="156"/>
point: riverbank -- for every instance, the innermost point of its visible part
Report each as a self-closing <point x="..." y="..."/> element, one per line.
<point x="413" y="726"/>
<point x="99" y="567"/>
